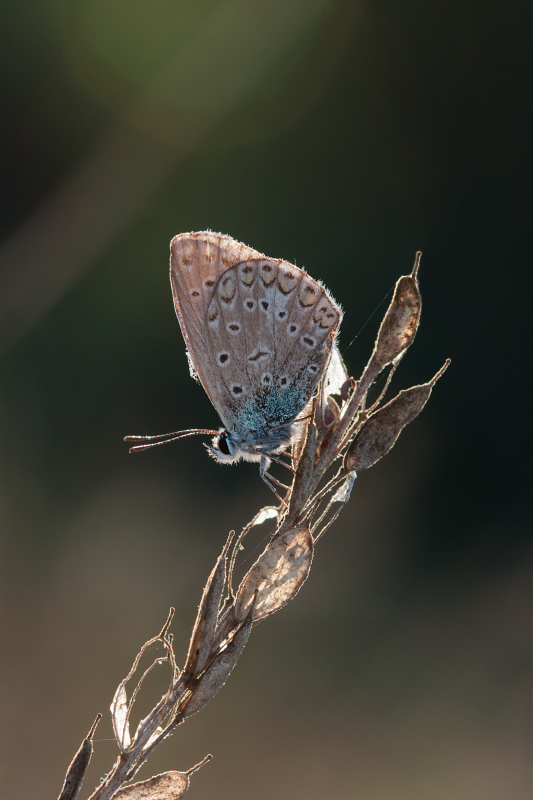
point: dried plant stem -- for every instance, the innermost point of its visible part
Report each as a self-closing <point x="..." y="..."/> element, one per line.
<point x="345" y="426"/>
<point x="225" y="616"/>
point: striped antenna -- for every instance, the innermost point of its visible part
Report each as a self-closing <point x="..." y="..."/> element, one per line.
<point x="165" y="438"/>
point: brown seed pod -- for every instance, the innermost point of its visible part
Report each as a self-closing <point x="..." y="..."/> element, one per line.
<point x="167" y="786"/>
<point x="206" y="620"/>
<point x="346" y="388"/>
<point x="276" y="576"/>
<point x="217" y="672"/>
<point x="400" y="323"/>
<point x="380" y="432"/>
<point x="78" y="767"/>
<point x="331" y="412"/>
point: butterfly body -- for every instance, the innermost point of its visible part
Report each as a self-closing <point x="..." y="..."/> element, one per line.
<point x="259" y="334"/>
<point x="258" y="432"/>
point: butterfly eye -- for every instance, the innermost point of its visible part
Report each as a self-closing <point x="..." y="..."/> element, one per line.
<point x="222" y="444"/>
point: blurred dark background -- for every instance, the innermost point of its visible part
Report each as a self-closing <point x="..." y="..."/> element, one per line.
<point x="342" y="136"/>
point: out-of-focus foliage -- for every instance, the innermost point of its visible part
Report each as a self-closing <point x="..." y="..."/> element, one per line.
<point x="343" y="136"/>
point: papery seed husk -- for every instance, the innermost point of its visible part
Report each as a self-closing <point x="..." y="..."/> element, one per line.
<point x="277" y="575"/>
<point x="119" y="716"/>
<point x="227" y="623"/>
<point x="266" y="513"/>
<point x="149" y="728"/>
<point x="217" y="673"/>
<point x="167" y="786"/>
<point x="400" y="323"/>
<point x="342" y="495"/>
<point x="380" y="432"/>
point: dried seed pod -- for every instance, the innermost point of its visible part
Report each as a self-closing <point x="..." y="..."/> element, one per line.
<point x="331" y="412"/>
<point x="346" y="388"/>
<point x="381" y="430"/>
<point x="206" y="620"/>
<point x="400" y="323"/>
<point x="78" y="767"/>
<point x="329" y="423"/>
<point x="217" y="673"/>
<point x="167" y="786"/>
<point x="304" y="470"/>
<point x="76" y="771"/>
<point x="276" y="576"/>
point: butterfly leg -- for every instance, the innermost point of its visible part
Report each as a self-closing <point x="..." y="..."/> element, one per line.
<point x="263" y="467"/>
<point x="283" y="464"/>
<point x="267" y="473"/>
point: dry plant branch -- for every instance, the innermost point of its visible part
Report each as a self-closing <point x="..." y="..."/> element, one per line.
<point x="347" y="434"/>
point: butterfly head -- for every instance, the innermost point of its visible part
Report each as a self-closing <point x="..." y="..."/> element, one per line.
<point x="227" y="449"/>
<point x="223" y="448"/>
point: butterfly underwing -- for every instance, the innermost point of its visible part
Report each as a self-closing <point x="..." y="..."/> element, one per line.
<point x="259" y="333"/>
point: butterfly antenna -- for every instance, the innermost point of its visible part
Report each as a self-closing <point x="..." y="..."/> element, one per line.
<point x="165" y="438"/>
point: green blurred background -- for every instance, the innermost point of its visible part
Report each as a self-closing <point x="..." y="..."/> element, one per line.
<point x="343" y="136"/>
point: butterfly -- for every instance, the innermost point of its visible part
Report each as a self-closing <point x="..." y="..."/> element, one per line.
<point x="259" y="334"/>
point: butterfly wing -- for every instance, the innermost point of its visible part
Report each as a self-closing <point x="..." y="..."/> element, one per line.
<point x="335" y="376"/>
<point x="267" y="336"/>
<point x="196" y="262"/>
